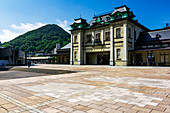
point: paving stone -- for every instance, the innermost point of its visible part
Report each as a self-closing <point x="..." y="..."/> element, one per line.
<point x="110" y="106"/>
<point x="9" y="105"/>
<point x="154" y="111"/>
<point x="156" y="108"/>
<point x="142" y="109"/>
<point x="167" y="110"/>
<point x="66" y="109"/>
<point x="2" y="110"/>
<point x="94" y="106"/>
<point x="94" y="111"/>
<point x="50" y="110"/>
<point x="110" y="110"/>
<point x="81" y="108"/>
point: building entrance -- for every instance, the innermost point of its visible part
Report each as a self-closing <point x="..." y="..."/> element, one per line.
<point x="98" y="58"/>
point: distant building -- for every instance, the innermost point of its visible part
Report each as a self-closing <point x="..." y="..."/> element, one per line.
<point x="39" y="60"/>
<point x="11" y="56"/>
<point x="115" y="38"/>
<point x="62" y="54"/>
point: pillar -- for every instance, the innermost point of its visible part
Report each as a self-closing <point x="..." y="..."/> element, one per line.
<point x="125" y="44"/>
<point x="80" y="59"/>
<point x="71" y="51"/>
<point x="112" y="46"/>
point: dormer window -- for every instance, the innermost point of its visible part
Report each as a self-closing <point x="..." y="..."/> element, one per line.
<point x="158" y="36"/>
<point x="118" y="17"/>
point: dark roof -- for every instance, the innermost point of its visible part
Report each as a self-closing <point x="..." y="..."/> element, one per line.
<point x="102" y="14"/>
<point x="155" y="35"/>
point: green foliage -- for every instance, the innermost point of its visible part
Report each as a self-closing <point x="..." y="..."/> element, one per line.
<point x="42" y="39"/>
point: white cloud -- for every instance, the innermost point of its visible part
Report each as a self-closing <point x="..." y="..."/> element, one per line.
<point x="8" y="35"/>
<point x="27" y="26"/>
<point x="64" y="24"/>
<point x="17" y="30"/>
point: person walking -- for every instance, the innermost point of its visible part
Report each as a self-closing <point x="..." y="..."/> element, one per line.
<point x="29" y="64"/>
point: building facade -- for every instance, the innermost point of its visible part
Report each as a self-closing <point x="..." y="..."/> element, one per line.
<point x="108" y="39"/>
<point x="11" y="56"/>
<point x="152" y="48"/>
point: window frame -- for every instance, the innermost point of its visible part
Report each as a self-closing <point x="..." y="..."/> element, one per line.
<point x="75" y="39"/>
<point x="75" y="56"/>
<point x="107" y="36"/>
<point x="118" y="54"/>
<point x="118" y="32"/>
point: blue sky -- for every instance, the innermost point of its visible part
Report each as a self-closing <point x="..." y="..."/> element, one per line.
<point x="20" y="16"/>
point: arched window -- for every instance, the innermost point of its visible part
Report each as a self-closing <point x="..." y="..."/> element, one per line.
<point x="118" y="17"/>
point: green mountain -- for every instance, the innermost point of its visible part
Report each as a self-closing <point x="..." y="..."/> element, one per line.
<point x="43" y="39"/>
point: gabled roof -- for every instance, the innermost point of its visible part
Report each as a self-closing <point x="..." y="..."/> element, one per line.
<point x="155" y="35"/>
<point x="120" y="9"/>
<point x="68" y="46"/>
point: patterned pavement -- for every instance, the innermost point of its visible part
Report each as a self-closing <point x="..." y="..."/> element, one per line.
<point x="87" y="89"/>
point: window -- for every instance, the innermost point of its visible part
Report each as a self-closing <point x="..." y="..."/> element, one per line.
<point x="98" y="36"/>
<point x="75" y="56"/>
<point x="150" y="46"/>
<point x="63" y="59"/>
<point x="107" y="34"/>
<point x="129" y="33"/>
<point x="118" y="17"/>
<point x="157" y="45"/>
<point x="134" y="35"/>
<point x="164" y="45"/>
<point x="59" y="59"/>
<point x="118" y="54"/>
<point x="164" y="58"/>
<point x="75" y="39"/>
<point x="89" y="38"/>
<point x="144" y="47"/>
<point x="118" y="32"/>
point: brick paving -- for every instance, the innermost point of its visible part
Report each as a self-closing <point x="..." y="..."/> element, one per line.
<point x="87" y="89"/>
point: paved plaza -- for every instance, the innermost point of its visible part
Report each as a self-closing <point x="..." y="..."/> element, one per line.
<point x="85" y="89"/>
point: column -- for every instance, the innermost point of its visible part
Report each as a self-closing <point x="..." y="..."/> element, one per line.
<point x="133" y="41"/>
<point x="71" y="51"/>
<point x="102" y="36"/>
<point x="80" y="49"/>
<point x="112" y="46"/>
<point x="93" y="38"/>
<point x="125" y="44"/>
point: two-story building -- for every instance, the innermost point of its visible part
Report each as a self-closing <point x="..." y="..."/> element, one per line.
<point x="107" y="39"/>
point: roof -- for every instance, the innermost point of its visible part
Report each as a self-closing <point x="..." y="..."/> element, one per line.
<point x="155" y="35"/>
<point x="38" y="58"/>
<point x="68" y="46"/>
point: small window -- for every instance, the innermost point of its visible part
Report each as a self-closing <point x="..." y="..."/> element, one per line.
<point x="157" y="45"/>
<point x="63" y="59"/>
<point x="98" y="36"/>
<point x="107" y="34"/>
<point x="135" y="35"/>
<point x="164" y="45"/>
<point x="129" y="33"/>
<point x="75" y="39"/>
<point x="89" y="38"/>
<point x="150" y="46"/>
<point x="118" y="33"/>
<point x="75" y="56"/>
<point x="118" y="17"/>
<point x="118" y="54"/>
<point x="144" y="47"/>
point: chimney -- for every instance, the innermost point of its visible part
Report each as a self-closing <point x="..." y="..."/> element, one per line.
<point x="167" y="25"/>
<point x="58" y="46"/>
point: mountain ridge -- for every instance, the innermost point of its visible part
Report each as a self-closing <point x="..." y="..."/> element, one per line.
<point x="43" y="39"/>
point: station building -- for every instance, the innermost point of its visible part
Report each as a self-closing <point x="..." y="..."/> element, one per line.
<point x="115" y="38"/>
